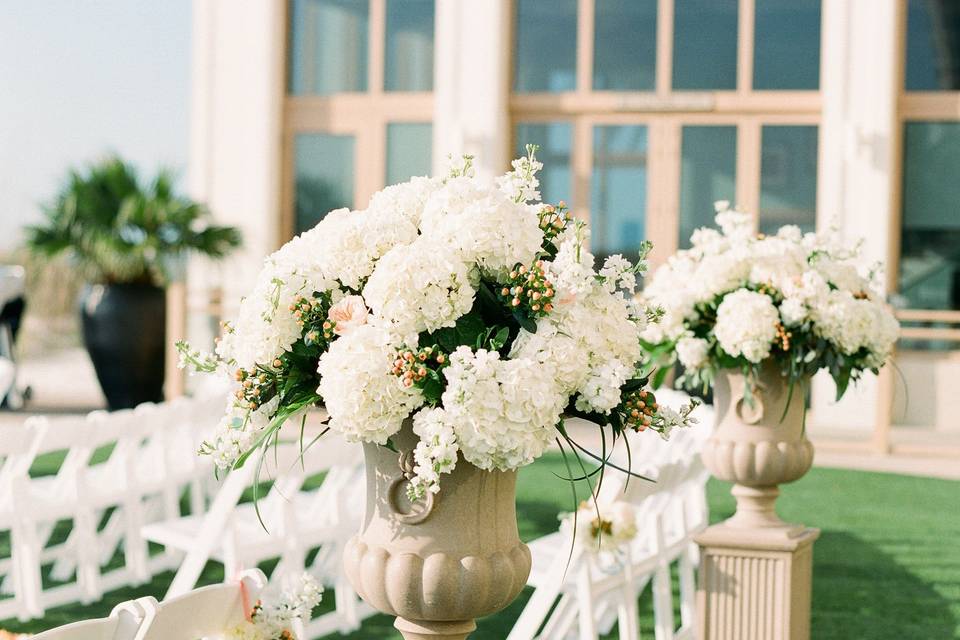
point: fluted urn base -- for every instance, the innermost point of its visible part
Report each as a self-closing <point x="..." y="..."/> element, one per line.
<point x="442" y="562"/>
<point x="758" y="444"/>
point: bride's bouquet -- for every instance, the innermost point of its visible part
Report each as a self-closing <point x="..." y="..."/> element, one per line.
<point x="466" y="305"/>
<point x="736" y="299"/>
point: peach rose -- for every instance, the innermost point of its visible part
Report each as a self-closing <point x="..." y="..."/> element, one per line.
<point x="348" y="314"/>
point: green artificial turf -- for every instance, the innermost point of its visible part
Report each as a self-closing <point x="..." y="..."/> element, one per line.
<point x="887" y="564"/>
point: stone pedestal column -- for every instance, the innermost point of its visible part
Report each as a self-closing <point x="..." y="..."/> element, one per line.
<point x="756" y="570"/>
<point x="755" y="585"/>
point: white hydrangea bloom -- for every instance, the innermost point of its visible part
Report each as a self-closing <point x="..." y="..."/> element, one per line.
<point x="793" y="312"/>
<point x="692" y="352"/>
<point x="502" y="411"/>
<point x="747" y="324"/>
<point x="419" y="287"/>
<point x="366" y="402"/>
<point x="601" y="390"/>
<point x="406" y="199"/>
<point x="483" y="225"/>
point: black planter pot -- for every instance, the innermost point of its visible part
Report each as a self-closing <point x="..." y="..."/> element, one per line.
<point x="124" y="329"/>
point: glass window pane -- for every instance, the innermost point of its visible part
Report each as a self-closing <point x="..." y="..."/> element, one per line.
<point x="409" y="150"/>
<point x="409" y="50"/>
<point x="323" y="169"/>
<point x="328" y="46"/>
<point x="625" y="45"/>
<point x="930" y="238"/>
<point x="554" y="139"/>
<point x="786" y="44"/>
<point x="545" y="46"/>
<point x="788" y="177"/>
<point x="707" y="174"/>
<point x="618" y="189"/>
<point x="705" y="44"/>
<point x="933" y="45"/>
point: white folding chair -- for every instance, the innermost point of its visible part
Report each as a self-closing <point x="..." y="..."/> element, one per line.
<point x="123" y="624"/>
<point x="297" y="521"/>
<point x="17" y="450"/>
<point x="201" y="613"/>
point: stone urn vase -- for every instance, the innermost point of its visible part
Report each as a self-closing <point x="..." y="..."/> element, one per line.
<point x="441" y="562"/>
<point x="758" y="443"/>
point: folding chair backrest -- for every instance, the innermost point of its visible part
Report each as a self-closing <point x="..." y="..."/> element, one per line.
<point x="123" y="624"/>
<point x="17" y="450"/>
<point x="201" y="613"/>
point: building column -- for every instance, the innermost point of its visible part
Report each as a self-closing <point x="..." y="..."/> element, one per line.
<point x="238" y="87"/>
<point x="859" y="138"/>
<point x="471" y="83"/>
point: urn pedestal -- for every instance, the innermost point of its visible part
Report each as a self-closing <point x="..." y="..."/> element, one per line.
<point x="444" y="561"/>
<point x="756" y="570"/>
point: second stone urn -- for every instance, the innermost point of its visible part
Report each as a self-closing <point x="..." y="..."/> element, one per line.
<point x="758" y="443"/>
<point x="441" y="562"/>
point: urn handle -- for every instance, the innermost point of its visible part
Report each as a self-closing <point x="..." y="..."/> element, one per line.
<point x="420" y="512"/>
<point x="750" y="409"/>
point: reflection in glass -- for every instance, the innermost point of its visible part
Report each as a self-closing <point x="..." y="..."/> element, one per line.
<point x="933" y="45"/>
<point x="707" y="174"/>
<point x="788" y="177"/>
<point x="328" y="46"/>
<point x="409" y="50"/>
<point x="705" y="44"/>
<point x="930" y="238"/>
<point x="786" y="44"/>
<point x="545" y="45"/>
<point x="409" y="150"/>
<point x="618" y="189"/>
<point x="323" y="169"/>
<point x="554" y="139"/>
<point x="625" y="45"/>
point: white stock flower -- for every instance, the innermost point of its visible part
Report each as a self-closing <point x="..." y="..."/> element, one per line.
<point x="604" y="526"/>
<point x="746" y="324"/>
<point x="436" y="452"/>
<point x="366" y="401"/>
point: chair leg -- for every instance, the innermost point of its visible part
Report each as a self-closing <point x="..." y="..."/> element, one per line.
<point x="688" y="588"/>
<point x="587" y="621"/>
<point x="663" y="603"/>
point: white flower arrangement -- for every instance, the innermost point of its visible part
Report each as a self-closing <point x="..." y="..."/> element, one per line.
<point x="601" y="527"/>
<point x="465" y="305"/>
<point x="273" y="621"/>
<point x="735" y="300"/>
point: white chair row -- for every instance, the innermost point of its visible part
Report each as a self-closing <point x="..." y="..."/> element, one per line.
<point x="301" y="525"/>
<point x="583" y="595"/>
<point x="150" y="464"/>
<point x="207" y="612"/>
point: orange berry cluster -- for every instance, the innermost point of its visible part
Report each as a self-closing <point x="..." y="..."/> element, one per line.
<point x="529" y="290"/>
<point x="311" y="315"/>
<point x="638" y="409"/>
<point x="255" y="387"/>
<point x="413" y="366"/>
<point x="783" y="337"/>
<point x="553" y="219"/>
